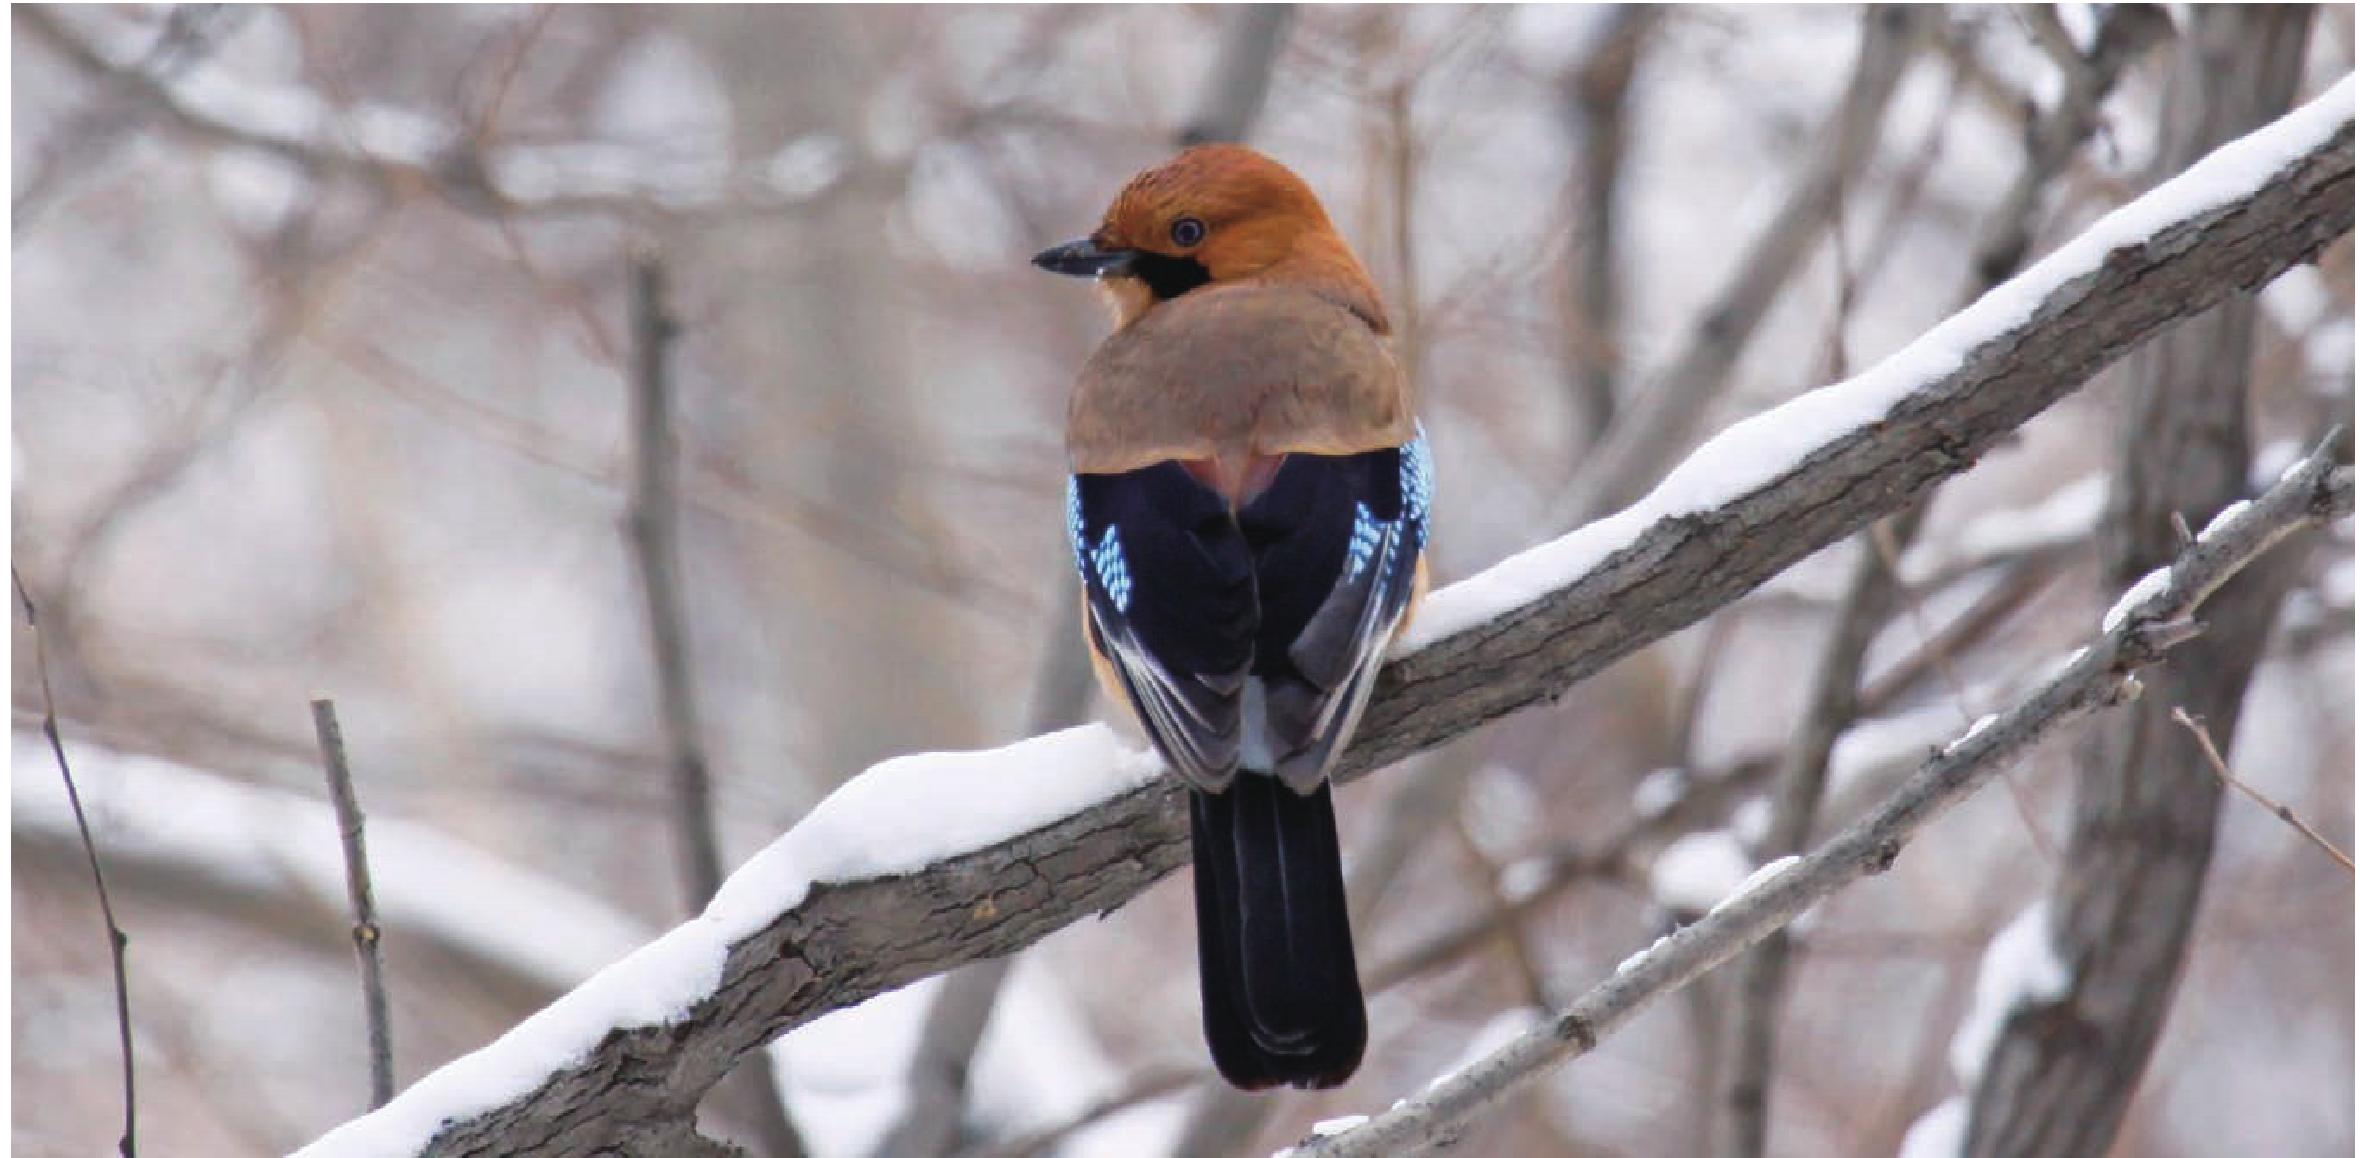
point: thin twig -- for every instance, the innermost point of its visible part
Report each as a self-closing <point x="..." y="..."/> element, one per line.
<point x="118" y="945"/>
<point x="2097" y="677"/>
<point x="2220" y="767"/>
<point x="366" y="937"/>
<point x="655" y="545"/>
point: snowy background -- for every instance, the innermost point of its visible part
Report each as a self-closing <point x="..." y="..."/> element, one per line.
<point x="320" y="390"/>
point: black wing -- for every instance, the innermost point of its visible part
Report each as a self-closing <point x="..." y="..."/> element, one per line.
<point x="1171" y="592"/>
<point x="1336" y="542"/>
<point x="1252" y="638"/>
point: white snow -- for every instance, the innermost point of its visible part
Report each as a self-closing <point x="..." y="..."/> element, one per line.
<point x="1942" y="1133"/>
<point x="2020" y="968"/>
<point x="1330" y="1127"/>
<point x="1693" y="873"/>
<point x="807" y="165"/>
<point x="1632" y="962"/>
<point x="1756" y="879"/>
<point x="1657" y="792"/>
<point x="2081" y="25"/>
<point x="1755" y="452"/>
<point x="2151" y="584"/>
<point x="2222" y="520"/>
<point x="897" y="817"/>
<point x="1975" y="729"/>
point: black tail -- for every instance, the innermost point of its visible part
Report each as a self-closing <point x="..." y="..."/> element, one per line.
<point x="1273" y="939"/>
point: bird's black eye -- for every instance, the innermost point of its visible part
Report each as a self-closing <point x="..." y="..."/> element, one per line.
<point x="1187" y="231"/>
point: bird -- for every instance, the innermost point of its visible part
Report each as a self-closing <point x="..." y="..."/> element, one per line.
<point x="1247" y="505"/>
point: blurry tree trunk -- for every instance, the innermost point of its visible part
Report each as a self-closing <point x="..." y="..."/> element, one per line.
<point x="808" y="325"/>
<point x="1597" y="95"/>
<point x="2061" y="1075"/>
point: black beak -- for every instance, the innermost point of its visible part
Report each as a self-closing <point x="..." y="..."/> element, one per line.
<point x="1084" y="259"/>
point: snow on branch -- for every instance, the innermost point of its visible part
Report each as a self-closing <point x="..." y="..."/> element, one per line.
<point x="2093" y="678"/>
<point x="927" y="862"/>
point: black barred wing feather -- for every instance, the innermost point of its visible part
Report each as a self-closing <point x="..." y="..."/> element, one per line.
<point x="1336" y="542"/>
<point x="1170" y="583"/>
<point x="1251" y="638"/>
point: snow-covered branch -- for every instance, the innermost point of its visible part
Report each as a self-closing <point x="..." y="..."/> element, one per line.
<point x="930" y="861"/>
<point x="2152" y="617"/>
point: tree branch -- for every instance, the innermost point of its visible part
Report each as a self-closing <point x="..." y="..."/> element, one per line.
<point x="2153" y="618"/>
<point x="2228" y="779"/>
<point x="827" y="918"/>
<point x="117" y="943"/>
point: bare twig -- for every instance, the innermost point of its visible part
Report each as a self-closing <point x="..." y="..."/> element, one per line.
<point x="2220" y="768"/>
<point x="118" y="945"/>
<point x="367" y="938"/>
<point x="2099" y="676"/>
<point x="654" y="524"/>
<point x="88" y="136"/>
<point x="1639" y="578"/>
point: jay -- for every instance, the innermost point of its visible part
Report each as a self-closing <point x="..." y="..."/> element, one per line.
<point x="1247" y="508"/>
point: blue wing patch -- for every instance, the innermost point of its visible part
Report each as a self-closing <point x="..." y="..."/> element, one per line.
<point x="1113" y="574"/>
<point x="1417" y="487"/>
<point x="1074" y="533"/>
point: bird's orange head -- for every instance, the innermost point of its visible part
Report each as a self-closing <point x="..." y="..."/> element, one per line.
<point x="1214" y="215"/>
